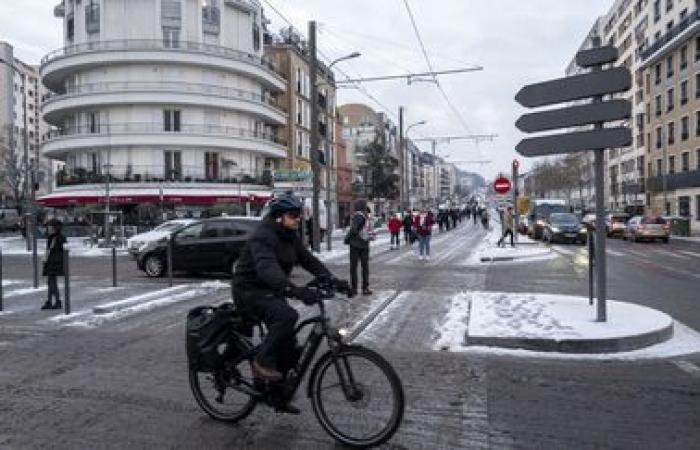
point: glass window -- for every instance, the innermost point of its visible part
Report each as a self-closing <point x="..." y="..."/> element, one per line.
<point x="684" y="92"/>
<point x="685" y="162"/>
<point x="684" y="57"/>
<point x="671" y="164"/>
<point x="191" y="232"/>
<point x="697" y="207"/>
<point x="669" y="66"/>
<point x="685" y="128"/>
<point x="684" y="206"/>
<point x="671" y="133"/>
<point x="669" y="100"/>
<point x="657" y="74"/>
<point x="219" y="229"/>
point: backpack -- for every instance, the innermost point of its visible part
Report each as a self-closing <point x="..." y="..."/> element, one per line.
<point x="210" y="337"/>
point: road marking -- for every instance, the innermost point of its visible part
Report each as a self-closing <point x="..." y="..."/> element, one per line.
<point x="673" y="255"/>
<point x="697" y="255"/>
<point x="615" y="253"/>
<point x="640" y="254"/>
<point x="688" y="367"/>
<point x="562" y="250"/>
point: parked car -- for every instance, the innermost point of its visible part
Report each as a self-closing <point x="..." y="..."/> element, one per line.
<point x="539" y="213"/>
<point x="615" y="224"/>
<point x="564" y="227"/>
<point x="523" y="224"/>
<point x="208" y="245"/>
<point x="647" y="228"/>
<point x="9" y="219"/>
<point x="137" y="242"/>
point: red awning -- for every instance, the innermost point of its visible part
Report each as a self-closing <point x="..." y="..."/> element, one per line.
<point x="65" y="199"/>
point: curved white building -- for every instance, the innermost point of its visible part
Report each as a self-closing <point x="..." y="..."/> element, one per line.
<point x="172" y="98"/>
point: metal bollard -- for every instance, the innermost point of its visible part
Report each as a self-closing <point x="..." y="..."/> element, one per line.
<point x="169" y="261"/>
<point x="591" y="262"/>
<point x="1" y="280"/>
<point x="35" y="261"/>
<point x="66" y="281"/>
<point x="114" y="267"/>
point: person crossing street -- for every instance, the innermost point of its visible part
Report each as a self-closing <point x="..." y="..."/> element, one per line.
<point x="394" y="226"/>
<point x="507" y="227"/>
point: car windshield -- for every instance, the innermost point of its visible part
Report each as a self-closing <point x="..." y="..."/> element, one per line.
<point x="169" y="226"/>
<point x="653" y="221"/>
<point x="544" y="211"/>
<point x="563" y="218"/>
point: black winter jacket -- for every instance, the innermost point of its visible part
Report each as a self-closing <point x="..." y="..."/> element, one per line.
<point x="354" y="238"/>
<point x="269" y="256"/>
<point x="54" y="259"/>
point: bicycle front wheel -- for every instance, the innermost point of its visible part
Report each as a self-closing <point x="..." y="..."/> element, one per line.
<point x="357" y="397"/>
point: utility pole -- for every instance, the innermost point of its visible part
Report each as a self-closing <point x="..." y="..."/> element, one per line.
<point x="313" y="68"/>
<point x="402" y="162"/>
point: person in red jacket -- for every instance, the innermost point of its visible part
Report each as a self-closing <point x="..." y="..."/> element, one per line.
<point x="394" y="226"/>
<point x="423" y="226"/>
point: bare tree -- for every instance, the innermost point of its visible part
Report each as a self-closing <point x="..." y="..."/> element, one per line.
<point x="12" y="169"/>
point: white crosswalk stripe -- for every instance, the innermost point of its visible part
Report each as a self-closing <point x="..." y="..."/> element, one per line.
<point x="697" y="255"/>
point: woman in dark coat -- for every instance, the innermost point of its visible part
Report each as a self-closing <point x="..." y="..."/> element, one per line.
<point x="53" y="263"/>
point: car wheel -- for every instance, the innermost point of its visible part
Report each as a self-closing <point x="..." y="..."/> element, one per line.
<point x="665" y="240"/>
<point x="154" y="267"/>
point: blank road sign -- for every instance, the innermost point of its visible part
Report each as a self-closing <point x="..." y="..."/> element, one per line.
<point x="561" y="90"/>
<point x="596" y="56"/>
<point x="574" y="116"/>
<point x="575" y="142"/>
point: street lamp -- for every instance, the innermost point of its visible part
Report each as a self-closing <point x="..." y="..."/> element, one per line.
<point x="350" y="56"/>
<point x="406" y="182"/>
<point x="26" y="146"/>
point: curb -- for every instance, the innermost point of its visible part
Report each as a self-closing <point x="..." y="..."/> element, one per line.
<point x="609" y="345"/>
<point x="119" y="305"/>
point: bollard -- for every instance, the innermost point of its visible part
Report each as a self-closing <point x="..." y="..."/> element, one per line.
<point x="114" y="267"/>
<point x="169" y="261"/>
<point x="0" y="279"/>
<point x="66" y="281"/>
<point x="35" y="262"/>
<point x="591" y="262"/>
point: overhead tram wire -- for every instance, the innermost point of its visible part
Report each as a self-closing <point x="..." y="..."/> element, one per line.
<point x="455" y="111"/>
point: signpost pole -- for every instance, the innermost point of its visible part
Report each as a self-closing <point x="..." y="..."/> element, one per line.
<point x="516" y="216"/>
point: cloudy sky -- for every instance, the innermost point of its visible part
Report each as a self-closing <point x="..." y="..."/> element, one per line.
<point x="516" y="41"/>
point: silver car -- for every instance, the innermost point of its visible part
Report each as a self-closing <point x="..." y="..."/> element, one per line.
<point x="648" y="228"/>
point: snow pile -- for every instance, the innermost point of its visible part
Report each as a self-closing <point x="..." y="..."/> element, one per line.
<point x="488" y="250"/>
<point x="16" y="245"/>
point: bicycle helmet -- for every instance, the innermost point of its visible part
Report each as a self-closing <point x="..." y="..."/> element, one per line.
<point x="283" y="204"/>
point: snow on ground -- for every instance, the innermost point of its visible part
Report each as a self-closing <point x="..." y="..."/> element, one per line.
<point x="341" y="250"/>
<point x="555" y="317"/>
<point x="686" y="238"/>
<point x="16" y="245"/>
<point x="487" y="248"/>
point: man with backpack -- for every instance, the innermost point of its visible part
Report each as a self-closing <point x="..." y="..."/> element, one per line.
<point x="359" y="235"/>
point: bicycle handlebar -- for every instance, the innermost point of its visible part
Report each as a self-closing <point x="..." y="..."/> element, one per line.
<point x="328" y="287"/>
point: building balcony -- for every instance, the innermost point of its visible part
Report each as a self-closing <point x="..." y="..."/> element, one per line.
<point x="61" y="63"/>
<point x="684" y="28"/>
<point x="58" y="143"/>
<point x="679" y="180"/>
<point x="136" y="174"/>
<point x="85" y="96"/>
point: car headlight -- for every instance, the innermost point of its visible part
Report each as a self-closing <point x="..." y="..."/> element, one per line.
<point x="555" y="230"/>
<point x="583" y="230"/>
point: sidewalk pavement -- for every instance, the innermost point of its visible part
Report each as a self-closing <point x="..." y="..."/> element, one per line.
<point x="551" y="323"/>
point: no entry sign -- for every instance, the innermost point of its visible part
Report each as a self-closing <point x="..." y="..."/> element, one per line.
<point x="501" y="185"/>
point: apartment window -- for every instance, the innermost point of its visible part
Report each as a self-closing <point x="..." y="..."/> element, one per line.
<point x="671" y="135"/>
<point x="211" y="165"/>
<point x="171" y="37"/>
<point x="299" y="80"/>
<point x="683" y="14"/>
<point x="171" y="14"/>
<point x="669" y="26"/>
<point x="647" y="84"/>
<point x="657" y="73"/>
<point x="256" y="35"/>
<point x="172" y="165"/>
<point x="648" y="113"/>
<point x="171" y="120"/>
<point x="669" y="100"/>
<point x="658" y="137"/>
<point x="657" y="10"/>
<point x="685" y="128"/>
<point x="300" y="143"/>
<point x="211" y="18"/>
<point x="697" y="85"/>
<point x="93" y="119"/>
<point x="92" y="17"/>
<point x="669" y="66"/>
<point x="300" y="114"/>
<point x="657" y="36"/>
<point x="697" y="48"/>
<point x="671" y="164"/>
<point x="70" y="27"/>
<point x="697" y="159"/>
<point x="684" y="57"/>
<point x="659" y="167"/>
<point x="669" y="5"/>
<point x="685" y="162"/>
<point x="658" y="105"/>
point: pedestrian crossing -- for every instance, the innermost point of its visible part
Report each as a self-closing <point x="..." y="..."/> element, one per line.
<point x="642" y="253"/>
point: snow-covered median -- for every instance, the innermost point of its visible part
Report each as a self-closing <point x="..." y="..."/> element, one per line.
<point x="16" y="245"/>
<point x="488" y="250"/>
<point x="494" y="320"/>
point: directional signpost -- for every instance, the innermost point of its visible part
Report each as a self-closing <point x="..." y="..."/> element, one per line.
<point x="590" y="86"/>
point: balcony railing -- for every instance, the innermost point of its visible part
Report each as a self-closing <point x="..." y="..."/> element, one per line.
<point x="159" y="44"/>
<point x="164" y="86"/>
<point x="671" y="34"/>
<point x="162" y="174"/>
<point x="679" y="180"/>
<point x="158" y="128"/>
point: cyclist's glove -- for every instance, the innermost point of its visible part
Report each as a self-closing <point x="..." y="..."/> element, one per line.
<point x="307" y="295"/>
<point x="342" y="286"/>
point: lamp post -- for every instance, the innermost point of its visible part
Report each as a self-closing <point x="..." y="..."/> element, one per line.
<point x="404" y="148"/>
<point x="316" y="232"/>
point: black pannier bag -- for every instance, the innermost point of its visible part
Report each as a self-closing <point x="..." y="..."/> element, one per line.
<point x="208" y="331"/>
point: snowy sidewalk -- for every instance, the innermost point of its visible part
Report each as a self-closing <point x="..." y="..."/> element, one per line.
<point x="489" y="252"/>
<point x="551" y="323"/>
<point x="16" y="245"/>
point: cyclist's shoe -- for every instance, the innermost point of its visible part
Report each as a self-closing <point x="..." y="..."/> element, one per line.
<point x="265" y="373"/>
<point x="287" y="408"/>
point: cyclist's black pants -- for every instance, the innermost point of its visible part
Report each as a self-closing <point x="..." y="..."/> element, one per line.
<point x="279" y="318"/>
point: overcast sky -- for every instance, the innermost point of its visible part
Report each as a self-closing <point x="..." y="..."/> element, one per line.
<point x="516" y="41"/>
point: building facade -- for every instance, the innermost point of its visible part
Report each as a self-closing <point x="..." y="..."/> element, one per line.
<point x="166" y="101"/>
<point x="671" y="74"/>
<point x="20" y="98"/>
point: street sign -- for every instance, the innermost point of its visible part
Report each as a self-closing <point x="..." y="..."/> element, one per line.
<point x="577" y="87"/>
<point x="501" y="185"/>
<point x="596" y="56"/>
<point x="572" y="116"/>
<point x="575" y="141"/>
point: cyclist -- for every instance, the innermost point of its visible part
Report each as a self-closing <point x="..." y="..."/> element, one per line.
<point x="261" y="283"/>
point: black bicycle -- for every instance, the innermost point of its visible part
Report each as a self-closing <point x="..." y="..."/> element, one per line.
<point x="356" y="395"/>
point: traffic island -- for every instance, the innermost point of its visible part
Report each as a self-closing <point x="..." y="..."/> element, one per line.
<point x="559" y="323"/>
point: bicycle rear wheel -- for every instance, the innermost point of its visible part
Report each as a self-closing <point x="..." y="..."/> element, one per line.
<point x="357" y="397"/>
<point x="222" y="393"/>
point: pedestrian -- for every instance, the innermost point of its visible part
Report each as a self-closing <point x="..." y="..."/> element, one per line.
<point x="475" y="212"/>
<point x="484" y="218"/>
<point x="53" y="263"/>
<point x="507" y="227"/>
<point x="423" y="226"/>
<point x="407" y="224"/>
<point x="359" y="235"/>
<point x="394" y="226"/>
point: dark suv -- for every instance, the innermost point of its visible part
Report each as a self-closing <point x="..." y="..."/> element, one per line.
<point x="209" y="245"/>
